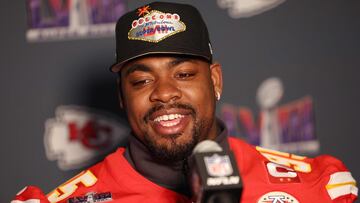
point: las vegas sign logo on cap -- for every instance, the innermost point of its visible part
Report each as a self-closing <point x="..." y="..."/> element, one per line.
<point x="155" y="26"/>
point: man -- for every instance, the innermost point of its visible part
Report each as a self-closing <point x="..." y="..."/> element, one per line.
<point x="168" y="86"/>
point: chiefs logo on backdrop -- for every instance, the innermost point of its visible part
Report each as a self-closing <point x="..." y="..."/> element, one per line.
<point x="78" y="135"/>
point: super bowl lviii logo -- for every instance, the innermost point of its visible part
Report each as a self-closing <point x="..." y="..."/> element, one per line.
<point x="288" y="127"/>
<point x="78" y="135"/>
<point x="64" y="19"/>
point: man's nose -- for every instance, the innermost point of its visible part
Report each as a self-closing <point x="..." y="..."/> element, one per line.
<point x="165" y="91"/>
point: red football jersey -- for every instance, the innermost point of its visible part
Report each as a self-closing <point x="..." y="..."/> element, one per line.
<point x="268" y="177"/>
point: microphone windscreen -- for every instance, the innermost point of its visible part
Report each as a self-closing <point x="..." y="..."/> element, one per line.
<point x="207" y="146"/>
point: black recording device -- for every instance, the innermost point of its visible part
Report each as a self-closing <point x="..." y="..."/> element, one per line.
<point x="214" y="176"/>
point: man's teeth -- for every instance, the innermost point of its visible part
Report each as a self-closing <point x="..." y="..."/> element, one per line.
<point x="168" y="117"/>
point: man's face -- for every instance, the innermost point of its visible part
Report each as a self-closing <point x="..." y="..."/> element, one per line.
<point x="170" y="102"/>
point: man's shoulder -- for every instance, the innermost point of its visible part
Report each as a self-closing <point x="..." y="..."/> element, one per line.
<point x="83" y="183"/>
<point x="326" y="163"/>
<point x="324" y="172"/>
<point x="69" y="189"/>
<point x="96" y="178"/>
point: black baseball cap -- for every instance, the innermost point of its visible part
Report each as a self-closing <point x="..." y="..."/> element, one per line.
<point x="161" y="28"/>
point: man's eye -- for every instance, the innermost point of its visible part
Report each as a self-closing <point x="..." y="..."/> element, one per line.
<point x="140" y="82"/>
<point x="184" y="75"/>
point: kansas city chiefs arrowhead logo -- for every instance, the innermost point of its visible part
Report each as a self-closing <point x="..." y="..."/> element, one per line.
<point x="77" y="135"/>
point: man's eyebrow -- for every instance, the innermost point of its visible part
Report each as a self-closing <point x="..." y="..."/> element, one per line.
<point x="142" y="67"/>
<point x="178" y="60"/>
<point x="137" y="67"/>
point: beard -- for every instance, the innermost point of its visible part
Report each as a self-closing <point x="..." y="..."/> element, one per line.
<point x="174" y="149"/>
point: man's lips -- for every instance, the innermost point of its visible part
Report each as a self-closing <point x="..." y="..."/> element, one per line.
<point x="170" y="121"/>
<point x="166" y="114"/>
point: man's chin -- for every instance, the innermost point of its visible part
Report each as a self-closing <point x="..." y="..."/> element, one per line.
<point x="172" y="148"/>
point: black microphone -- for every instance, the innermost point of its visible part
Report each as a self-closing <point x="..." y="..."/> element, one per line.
<point x="214" y="175"/>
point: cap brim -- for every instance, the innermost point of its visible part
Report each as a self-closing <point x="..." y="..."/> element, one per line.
<point x="116" y="67"/>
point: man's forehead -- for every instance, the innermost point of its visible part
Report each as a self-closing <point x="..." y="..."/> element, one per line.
<point x="145" y="63"/>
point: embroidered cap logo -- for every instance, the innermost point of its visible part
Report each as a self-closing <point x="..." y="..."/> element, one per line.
<point x="143" y="10"/>
<point x="155" y="26"/>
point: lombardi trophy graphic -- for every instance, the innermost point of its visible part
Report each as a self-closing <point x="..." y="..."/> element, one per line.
<point x="268" y="95"/>
<point x="79" y="20"/>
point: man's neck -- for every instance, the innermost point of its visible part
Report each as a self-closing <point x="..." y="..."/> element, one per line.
<point x="170" y="175"/>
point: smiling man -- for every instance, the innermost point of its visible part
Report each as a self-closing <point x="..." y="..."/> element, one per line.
<point x="169" y="86"/>
<point x="170" y="102"/>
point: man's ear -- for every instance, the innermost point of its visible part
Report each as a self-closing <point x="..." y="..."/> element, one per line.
<point x="216" y="77"/>
<point x="121" y="102"/>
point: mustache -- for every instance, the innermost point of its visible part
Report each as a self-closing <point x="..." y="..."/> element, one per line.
<point x="159" y="107"/>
